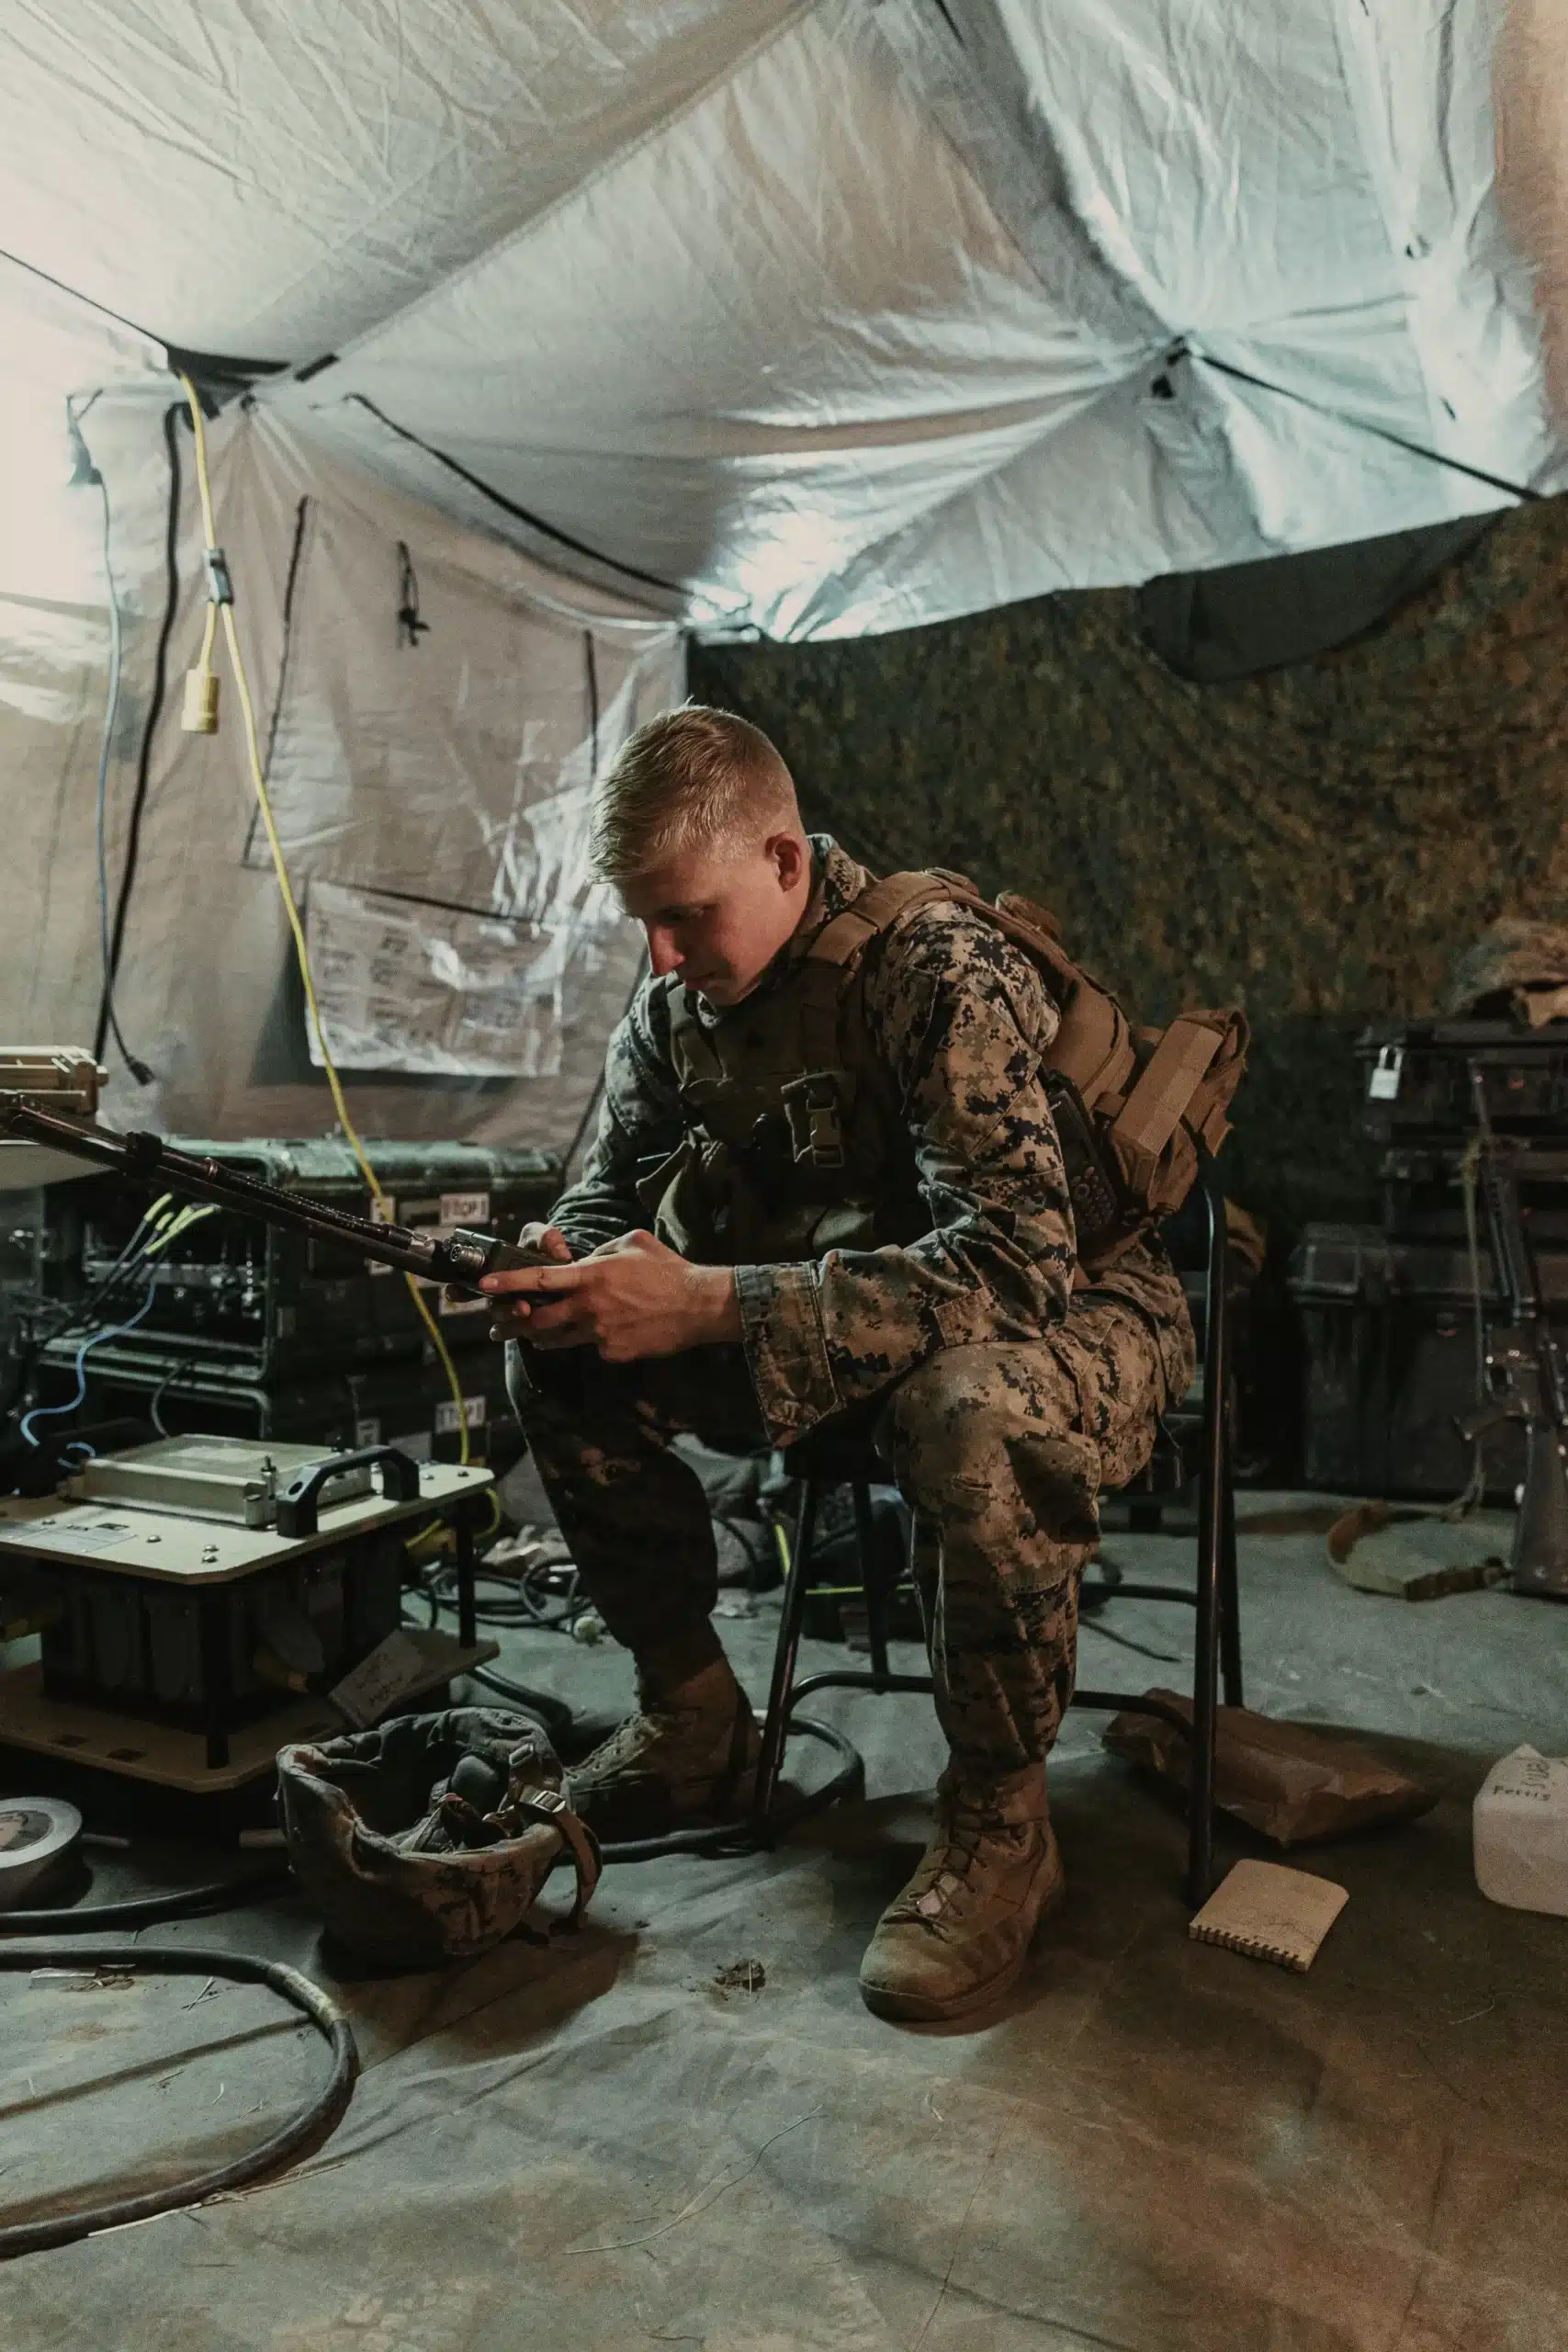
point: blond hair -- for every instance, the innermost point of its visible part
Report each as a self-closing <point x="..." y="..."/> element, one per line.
<point x="690" y="779"/>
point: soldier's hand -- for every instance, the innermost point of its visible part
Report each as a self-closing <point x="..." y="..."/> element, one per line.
<point x="547" y="1240"/>
<point x="631" y="1298"/>
<point x="550" y="1243"/>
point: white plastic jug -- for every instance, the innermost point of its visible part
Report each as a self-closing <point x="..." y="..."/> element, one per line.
<point x="1520" y="1822"/>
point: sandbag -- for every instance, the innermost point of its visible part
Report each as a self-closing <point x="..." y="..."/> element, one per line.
<point x="408" y="1870"/>
<point x="1291" y="1784"/>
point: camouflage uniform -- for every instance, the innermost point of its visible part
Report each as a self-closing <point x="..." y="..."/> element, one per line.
<point x="1004" y="1397"/>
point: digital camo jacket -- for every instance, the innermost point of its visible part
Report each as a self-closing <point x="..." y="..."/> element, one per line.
<point x="962" y="1020"/>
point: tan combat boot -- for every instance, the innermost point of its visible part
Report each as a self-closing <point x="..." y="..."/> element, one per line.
<point x="689" y="1752"/>
<point x="959" y="1933"/>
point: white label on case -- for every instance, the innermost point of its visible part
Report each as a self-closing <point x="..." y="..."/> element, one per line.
<point x="474" y="1409"/>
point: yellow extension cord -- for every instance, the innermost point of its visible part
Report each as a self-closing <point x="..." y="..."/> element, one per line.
<point x="302" y="952"/>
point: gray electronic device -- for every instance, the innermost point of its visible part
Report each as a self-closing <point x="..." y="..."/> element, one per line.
<point x="235" y="1481"/>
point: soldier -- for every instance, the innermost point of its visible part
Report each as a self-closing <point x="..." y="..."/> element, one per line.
<point x="826" y="1187"/>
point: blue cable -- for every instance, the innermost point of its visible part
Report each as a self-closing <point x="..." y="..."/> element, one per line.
<point x="94" y="1338"/>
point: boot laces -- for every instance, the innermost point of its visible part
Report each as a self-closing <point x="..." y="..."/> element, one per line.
<point x="964" y="1825"/>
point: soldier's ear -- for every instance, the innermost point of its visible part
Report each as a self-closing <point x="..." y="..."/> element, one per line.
<point x="788" y="855"/>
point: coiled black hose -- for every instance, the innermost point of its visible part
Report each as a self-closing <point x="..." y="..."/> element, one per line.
<point x="309" y="2123"/>
<point x="146" y="1910"/>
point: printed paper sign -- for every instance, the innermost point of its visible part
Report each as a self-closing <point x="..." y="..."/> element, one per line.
<point x="407" y="986"/>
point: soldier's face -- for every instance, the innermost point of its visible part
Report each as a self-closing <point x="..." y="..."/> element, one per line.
<point x="718" y="917"/>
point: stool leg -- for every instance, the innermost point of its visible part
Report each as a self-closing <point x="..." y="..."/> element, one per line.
<point x="871" y="1583"/>
<point x="1212" y="1485"/>
<point x="775" y="1725"/>
<point x="1230" y="1596"/>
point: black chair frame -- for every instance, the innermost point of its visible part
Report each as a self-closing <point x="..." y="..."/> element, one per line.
<point x="1213" y="1597"/>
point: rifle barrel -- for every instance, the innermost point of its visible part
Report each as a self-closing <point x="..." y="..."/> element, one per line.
<point x="144" y="1157"/>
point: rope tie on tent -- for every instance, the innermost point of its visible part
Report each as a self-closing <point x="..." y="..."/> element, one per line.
<point x="410" y="628"/>
<point x="200" y="716"/>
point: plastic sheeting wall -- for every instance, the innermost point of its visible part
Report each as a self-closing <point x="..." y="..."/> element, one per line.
<point x="834" y="318"/>
<point x="436" y="790"/>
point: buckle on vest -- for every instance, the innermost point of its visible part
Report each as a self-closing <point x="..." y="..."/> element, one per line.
<point x="811" y="1105"/>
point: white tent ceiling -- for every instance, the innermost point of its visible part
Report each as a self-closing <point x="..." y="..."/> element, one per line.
<point x="836" y="317"/>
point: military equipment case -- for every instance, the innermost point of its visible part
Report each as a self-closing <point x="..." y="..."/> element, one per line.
<point x="1417" y="1079"/>
<point x="1389" y="1329"/>
<point x="1419" y="1105"/>
<point x="408" y="1403"/>
<point x="1423" y="1192"/>
<point x="270" y="1304"/>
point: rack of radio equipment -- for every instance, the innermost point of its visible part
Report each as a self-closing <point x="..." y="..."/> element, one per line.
<point x="191" y="1585"/>
<point x="1398" y="1316"/>
<point x="267" y="1302"/>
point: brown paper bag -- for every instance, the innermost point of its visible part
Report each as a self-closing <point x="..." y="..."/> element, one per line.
<point x="1291" y="1784"/>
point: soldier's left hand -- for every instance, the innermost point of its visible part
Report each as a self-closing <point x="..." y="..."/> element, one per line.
<point x="632" y="1297"/>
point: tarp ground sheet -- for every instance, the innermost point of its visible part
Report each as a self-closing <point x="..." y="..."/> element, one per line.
<point x="1317" y="843"/>
<point x="1153" y="2147"/>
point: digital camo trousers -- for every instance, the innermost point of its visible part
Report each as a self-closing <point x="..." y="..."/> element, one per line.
<point x="1000" y="1450"/>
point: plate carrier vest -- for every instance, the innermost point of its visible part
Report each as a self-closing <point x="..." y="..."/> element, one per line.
<point x="795" y="1142"/>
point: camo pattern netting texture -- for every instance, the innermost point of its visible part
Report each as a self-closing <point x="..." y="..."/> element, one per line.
<point x="1318" y="844"/>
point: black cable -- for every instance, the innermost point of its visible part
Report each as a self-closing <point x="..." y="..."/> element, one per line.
<point x="88" y="469"/>
<point x="155" y="711"/>
<point x="72" y="1316"/>
<point x="168" y="1382"/>
<point x="746" y="1836"/>
<point x="147" y="1910"/>
<point x="553" y="1714"/>
<point x="592" y="665"/>
<point x="410" y="628"/>
<point x="291" y="582"/>
<point x="1520" y="491"/>
<point x="309" y="2124"/>
<point x="524" y="515"/>
<point x="77" y="296"/>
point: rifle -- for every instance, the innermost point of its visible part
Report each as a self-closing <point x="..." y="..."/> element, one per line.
<point x="461" y="1259"/>
<point x="1524" y="1363"/>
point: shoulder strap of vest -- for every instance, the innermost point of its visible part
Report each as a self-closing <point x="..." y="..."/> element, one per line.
<point x="879" y="906"/>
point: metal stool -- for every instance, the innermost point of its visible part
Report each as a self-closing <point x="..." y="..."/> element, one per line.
<point x="834" y="1458"/>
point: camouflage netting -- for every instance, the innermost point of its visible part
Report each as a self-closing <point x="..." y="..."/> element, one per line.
<point x="1320" y="842"/>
